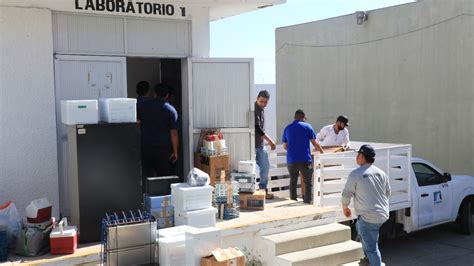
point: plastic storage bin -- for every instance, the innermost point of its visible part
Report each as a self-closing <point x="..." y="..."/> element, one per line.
<point x="79" y="112"/>
<point x="247" y="181"/>
<point x="198" y="218"/>
<point x="186" y="198"/>
<point x="118" y="110"/>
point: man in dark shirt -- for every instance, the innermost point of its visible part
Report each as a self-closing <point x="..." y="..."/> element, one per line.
<point x="260" y="135"/>
<point x="159" y="134"/>
<point x="144" y="93"/>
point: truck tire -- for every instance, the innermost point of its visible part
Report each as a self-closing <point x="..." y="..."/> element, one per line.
<point x="466" y="217"/>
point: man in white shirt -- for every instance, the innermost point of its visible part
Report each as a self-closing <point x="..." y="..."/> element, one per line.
<point x="335" y="134"/>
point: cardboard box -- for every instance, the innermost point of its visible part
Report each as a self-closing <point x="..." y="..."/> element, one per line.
<point x="212" y="165"/>
<point x="157" y="202"/>
<point x="162" y="212"/>
<point x="253" y="201"/>
<point x="165" y="222"/>
<point x="224" y="257"/>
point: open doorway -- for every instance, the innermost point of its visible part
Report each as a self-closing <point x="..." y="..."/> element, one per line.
<point x="168" y="72"/>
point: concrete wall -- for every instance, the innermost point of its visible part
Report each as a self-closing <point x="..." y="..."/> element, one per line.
<point x="405" y="75"/>
<point x="28" y="154"/>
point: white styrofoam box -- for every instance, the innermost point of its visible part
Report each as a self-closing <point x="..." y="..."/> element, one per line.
<point x="199" y="218"/>
<point x="118" y="110"/>
<point x="79" y="112"/>
<point x="172" y="251"/>
<point x="174" y="231"/>
<point x="187" y="198"/>
<point x="200" y="243"/>
<point x="247" y="181"/>
<point x="247" y="166"/>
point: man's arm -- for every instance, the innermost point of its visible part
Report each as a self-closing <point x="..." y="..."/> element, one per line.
<point x="346" y="144"/>
<point x="317" y="146"/>
<point x="270" y="141"/>
<point x="175" y="144"/>
<point x="284" y="139"/>
<point x="347" y="193"/>
<point x="259" y="130"/>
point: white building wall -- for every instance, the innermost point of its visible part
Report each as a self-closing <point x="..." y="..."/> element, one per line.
<point x="28" y="147"/>
<point x="28" y="153"/>
<point x="405" y="75"/>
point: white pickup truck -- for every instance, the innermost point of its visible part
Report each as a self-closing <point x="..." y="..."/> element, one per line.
<point x="422" y="194"/>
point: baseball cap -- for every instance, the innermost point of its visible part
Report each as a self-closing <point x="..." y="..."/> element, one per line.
<point x="367" y="150"/>
<point x="343" y="119"/>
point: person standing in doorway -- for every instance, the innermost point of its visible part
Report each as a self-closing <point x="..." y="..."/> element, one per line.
<point x="296" y="139"/>
<point x="144" y="93"/>
<point x="159" y="134"/>
<point x="370" y="188"/>
<point x="260" y="137"/>
<point x="335" y="134"/>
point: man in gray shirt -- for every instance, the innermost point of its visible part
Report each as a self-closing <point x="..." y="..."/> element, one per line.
<point x="370" y="188"/>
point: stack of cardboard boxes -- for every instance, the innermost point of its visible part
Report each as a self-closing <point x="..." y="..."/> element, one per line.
<point x="161" y="209"/>
<point x="250" y="197"/>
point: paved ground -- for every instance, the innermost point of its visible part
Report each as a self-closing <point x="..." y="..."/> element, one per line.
<point x="441" y="245"/>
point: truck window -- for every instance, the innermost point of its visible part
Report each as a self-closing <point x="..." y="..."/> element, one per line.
<point x="426" y="176"/>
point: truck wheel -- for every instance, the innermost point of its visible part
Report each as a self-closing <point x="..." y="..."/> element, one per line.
<point x="466" y="217"/>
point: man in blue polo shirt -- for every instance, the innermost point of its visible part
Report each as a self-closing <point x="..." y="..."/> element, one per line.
<point x="296" y="139"/>
<point x="159" y="134"/>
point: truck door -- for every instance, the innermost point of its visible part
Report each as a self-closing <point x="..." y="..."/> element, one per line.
<point x="79" y="78"/>
<point x="434" y="196"/>
<point x="219" y="94"/>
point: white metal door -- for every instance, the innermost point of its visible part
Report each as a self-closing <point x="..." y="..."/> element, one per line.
<point x="79" y="78"/>
<point x="220" y="95"/>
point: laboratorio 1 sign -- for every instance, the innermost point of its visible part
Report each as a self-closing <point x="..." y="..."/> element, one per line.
<point x="130" y="7"/>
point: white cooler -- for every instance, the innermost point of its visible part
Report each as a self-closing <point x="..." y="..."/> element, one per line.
<point x="172" y="251"/>
<point x="118" y="110"/>
<point x="198" y="218"/>
<point x="200" y="243"/>
<point x="79" y="112"/>
<point x="174" y="231"/>
<point x="187" y="198"/>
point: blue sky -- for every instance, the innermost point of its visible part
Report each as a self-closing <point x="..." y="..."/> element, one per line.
<point x="253" y="34"/>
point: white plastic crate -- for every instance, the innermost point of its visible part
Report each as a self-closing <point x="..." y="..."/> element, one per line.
<point x="247" y="181"/>
<point x="118" y="110"/>
<point x="174" y="231"/>
<point x="187" y="198"/>
<point x="200" y="243"/>
<point x="172" y="251"/>
<point x="247" y="166"/>
<point x="79" y="112"/>
<point x="199" y="218"/>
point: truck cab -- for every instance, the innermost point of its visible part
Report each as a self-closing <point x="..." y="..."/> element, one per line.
<point x="438" y="197"/>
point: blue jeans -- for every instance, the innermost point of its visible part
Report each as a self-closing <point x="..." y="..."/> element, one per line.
<point x="264" y="165"/>
<point x="369" y="236"/>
